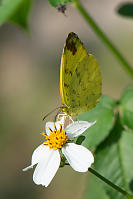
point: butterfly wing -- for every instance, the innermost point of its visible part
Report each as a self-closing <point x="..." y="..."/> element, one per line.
<point x="73" y="53"/>
<point x="80" y="78"/>
<point x="85" y="87"/>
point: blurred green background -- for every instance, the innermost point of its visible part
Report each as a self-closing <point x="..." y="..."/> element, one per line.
<point x="29" y="88"/>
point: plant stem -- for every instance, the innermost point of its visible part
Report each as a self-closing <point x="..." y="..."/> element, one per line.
<point x="103" y="37"/>
<point x="110" y="183"/>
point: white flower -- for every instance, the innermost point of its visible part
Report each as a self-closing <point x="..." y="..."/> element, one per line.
<point x="47" y="155"/>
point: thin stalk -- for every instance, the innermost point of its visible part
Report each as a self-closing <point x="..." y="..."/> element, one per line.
<point x="103" y="37"/>
<point x="117" y="188"/>
<point x="110" y="183"/>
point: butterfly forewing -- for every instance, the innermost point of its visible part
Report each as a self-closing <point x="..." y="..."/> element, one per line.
<point x="73" y="53"/>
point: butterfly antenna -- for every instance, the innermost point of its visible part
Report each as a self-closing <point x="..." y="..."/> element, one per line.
<point x="51" y="112"/>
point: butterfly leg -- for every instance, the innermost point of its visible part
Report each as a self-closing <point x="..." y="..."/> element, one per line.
<point x="57" y="116"/>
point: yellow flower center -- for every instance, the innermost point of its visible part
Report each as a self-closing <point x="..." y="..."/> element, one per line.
<point x="56" y="139"/>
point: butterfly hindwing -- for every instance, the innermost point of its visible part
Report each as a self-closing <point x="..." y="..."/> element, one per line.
<point x="85" y="87"/>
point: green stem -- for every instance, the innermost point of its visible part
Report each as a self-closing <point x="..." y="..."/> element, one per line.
<point x="103" y="37"/>
<point x="111" y="184"/>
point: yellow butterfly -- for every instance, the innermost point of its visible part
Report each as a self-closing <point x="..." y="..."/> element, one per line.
<point x="80" y="78"/>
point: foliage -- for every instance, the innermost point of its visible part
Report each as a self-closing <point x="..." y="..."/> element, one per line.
<point x="103" y="114"/>
<point x="94" y="189"/>
<point x="114" y="159"/>
<point x="21" y="14"/>
<point x="54" y="3"/>
<point x="126" y="108"/>
<point x="16" y="11"/>
<point x="113" y="156"/>
<point x="126" y="10"/>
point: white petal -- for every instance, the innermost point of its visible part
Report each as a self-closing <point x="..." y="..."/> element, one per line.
<point x="39" y="153"/>
<point x="51" y="125"/>
<point x="27" y="168"/>
<point x="79" y="157"/>
<point x="46" y="169"/>
<point x="77" y="128"/>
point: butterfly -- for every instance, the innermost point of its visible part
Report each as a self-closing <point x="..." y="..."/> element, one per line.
<point x="80" y="78"/>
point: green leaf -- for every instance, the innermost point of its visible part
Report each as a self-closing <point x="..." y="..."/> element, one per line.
<point x="20" y="16"/>
<point x="126" y="10"/>
<point x="94" y="189"/>
<point x="80" y="139"/>
<point x="54" y="3"/>
<point x="104" y="116"/>
<point x="7" y="7"/>
<point x="114" y="160"/>
<point x="126" y="108"/>
<point x="16" y="11"/>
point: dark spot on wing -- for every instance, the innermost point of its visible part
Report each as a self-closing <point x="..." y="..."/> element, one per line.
<point x="70" y="73"/>
<point x="67" y="71"/>
<point x="71" y="44"/>
<point x="66" y="85"/>
<point x="72" y="35"/>
<point x="73" y="100"/>
<point x="74" y="92"/>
